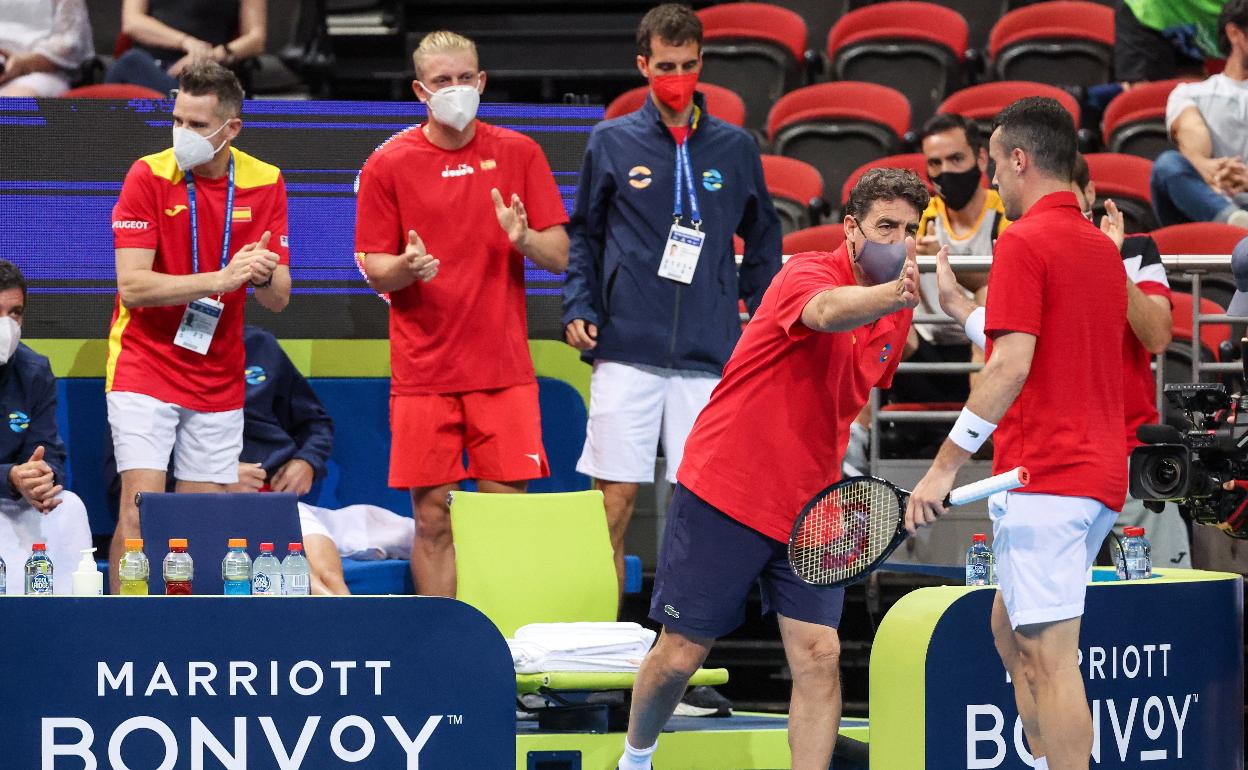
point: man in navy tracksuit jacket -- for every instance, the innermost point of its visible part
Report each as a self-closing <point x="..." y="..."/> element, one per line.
<point x="34" y="507"/>
<point x="658" y="344"/>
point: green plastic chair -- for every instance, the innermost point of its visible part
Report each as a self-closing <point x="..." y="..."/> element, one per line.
<point x="541" y="558"/>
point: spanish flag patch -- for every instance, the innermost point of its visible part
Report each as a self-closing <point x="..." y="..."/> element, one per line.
<point x="242" y="214"/>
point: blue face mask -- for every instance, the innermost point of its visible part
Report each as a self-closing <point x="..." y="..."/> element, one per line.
<point x="881" y="262"/>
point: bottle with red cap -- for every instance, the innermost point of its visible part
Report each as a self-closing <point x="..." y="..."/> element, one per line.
<point x="296" y="574"/>
<point x="979" y="562"/>
<point x="177" y="568"/>
<point x="266" y="573"/>
<point x="1137" y="554"/>
<point x="39" y="571"/>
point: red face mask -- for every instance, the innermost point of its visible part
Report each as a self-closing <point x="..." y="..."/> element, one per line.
<point x="676" y="91"/>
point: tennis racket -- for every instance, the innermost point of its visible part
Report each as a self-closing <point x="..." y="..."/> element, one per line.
<point x="850" y="528"/>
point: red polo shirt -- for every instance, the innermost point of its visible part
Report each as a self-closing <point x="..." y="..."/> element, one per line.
<point x="1057" y="277"/>
<point x="776" y="427"/>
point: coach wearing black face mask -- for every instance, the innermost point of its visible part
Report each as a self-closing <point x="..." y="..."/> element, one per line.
<point x="967" y="217"/>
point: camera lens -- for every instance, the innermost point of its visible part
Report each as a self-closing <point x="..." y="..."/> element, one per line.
<point x="1164" y="475"/>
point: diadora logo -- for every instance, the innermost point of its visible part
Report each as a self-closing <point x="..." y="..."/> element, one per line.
<point x="712" y="180"/>
<point x="173" y="212"/>
<point x="463" y="169"/>
<point x="18" y="421"/>
<point x="639" y="177"/>
<point x="255" y="375"/>
<point x="130" y="224"/>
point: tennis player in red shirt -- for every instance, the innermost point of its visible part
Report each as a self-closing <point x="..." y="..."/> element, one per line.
<point x="1052" y="390"/>
<point x="447" y="212"/>
<point x="830" y="327"/>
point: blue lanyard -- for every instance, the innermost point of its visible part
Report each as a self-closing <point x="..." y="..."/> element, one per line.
<point x="229" y="219"/>
<point x="684" y="170"/>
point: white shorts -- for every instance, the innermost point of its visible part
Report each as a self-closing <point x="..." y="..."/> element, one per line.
<point x="629" y="405"/>
<point x="205" y="445"/>
<point x="65" y="531"/>
<point x="44" y="84"/>
<point x="1044" y="546"/>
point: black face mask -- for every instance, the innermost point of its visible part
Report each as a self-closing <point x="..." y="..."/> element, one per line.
<point x="958" y="187"/>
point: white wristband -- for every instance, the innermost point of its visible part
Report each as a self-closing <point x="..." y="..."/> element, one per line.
<point x="971" y="431"/>
<point x="974" y="327"/>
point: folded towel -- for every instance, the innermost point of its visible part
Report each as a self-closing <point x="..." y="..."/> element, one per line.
<point x="579" y="647"/>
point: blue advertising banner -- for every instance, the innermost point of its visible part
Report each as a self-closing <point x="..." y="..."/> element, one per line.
<point x="150" y="683"/>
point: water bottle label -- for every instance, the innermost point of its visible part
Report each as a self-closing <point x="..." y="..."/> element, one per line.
<point x="41" y="584"/>
<point x="237" y="588"/>
<point x="261" y="583"/>
<point x="297" y="585"/>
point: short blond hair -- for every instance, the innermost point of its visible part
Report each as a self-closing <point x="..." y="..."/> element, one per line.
<point x="442" y="41"/>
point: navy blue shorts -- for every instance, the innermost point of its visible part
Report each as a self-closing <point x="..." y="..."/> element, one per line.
<point x="707" y="565"/>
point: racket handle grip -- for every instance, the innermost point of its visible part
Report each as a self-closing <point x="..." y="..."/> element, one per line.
<point x="978" y="490"/>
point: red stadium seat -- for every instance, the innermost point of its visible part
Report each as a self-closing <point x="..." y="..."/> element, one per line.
<point x="1062" y="42"/>
<point x="915" y="161"/>
<point x="1198" y="238"/>
<point x="112" y="91"/>
<point x="981" y="103"/>
<point x="1211" y="335"/>
<point x="754" y="49"/>
<point x="1125" y="179"/>
<point x="835" y="127"/>
<point x="796" y="190"/>
<point x="720" y="102"/>
<point x="818" y="238"/>
<point x="1135" y="121"/>
<point x="917" y="48"/>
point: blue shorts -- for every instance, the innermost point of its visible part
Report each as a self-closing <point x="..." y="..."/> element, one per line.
<point x="707" y="565"/>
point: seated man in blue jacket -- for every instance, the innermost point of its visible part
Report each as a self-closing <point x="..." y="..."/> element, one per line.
<point x="34" y="505"/>
<point x="652" y="288"/>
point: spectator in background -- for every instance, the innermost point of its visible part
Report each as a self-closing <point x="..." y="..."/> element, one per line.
<point x="659" y="330"/>
<point x="167" y="35"/>
<point x="176" y="338"/>
<point x="34" y="506"/>
<point x="1206" y="178"/>
<point x="1148" y="334"/>
<point x="966" y="217"/>
<point x="42" y="45"/>
<point x="1162" y="39"/>
<point x="483" y="198"/>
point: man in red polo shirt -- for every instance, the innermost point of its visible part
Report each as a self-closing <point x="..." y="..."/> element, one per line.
<point x="447" y="212"/>
<point x="830" y="327"/>
<point x="1057" y="303"/>
<point x="194" y="225"/>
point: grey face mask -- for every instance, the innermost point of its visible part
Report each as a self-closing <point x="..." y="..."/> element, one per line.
<point x="881" y="262"/>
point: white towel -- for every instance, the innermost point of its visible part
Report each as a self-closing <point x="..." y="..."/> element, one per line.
<point x="366" y="532"/>
<point x="580" y="647"/>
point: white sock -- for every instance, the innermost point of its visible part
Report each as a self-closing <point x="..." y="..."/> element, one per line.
<point x="636" y="759"/>
<point x="1042" y="763"/>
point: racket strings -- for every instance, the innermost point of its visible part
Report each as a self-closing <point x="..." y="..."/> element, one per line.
<point x="845" y="531"/>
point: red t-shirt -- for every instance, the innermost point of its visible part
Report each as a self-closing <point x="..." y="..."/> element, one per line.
<point x="1142" y="260"/>
<point x="466" y="329"/>
<point x="152" y="213"/>
<point x="1057" y="277"/>
<point x="776" y="427"/>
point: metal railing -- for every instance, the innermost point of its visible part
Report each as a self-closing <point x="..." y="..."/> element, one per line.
<point x="1192" y="265"/>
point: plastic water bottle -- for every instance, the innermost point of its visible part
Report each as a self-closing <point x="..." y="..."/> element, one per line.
<point x="1137" y="553"/>
<point x="296" y="575"/>
<point x="134" y="569"/>
<point x="266" y="573"/>
<point x="236" y="569"/>
<point x="979" y="562"/>
<point x="4" y="578"/>
<point x="1120" y="560"/>
<point x="39" y="571"/>
<point x="178" y="569"/>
